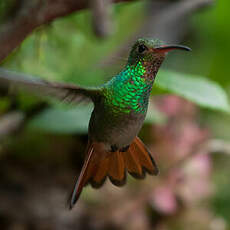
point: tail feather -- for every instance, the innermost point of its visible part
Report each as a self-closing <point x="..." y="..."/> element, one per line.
<point x="82" y="180"/>
<point x="131" y="162"/>
<point x="99" y="164"/>
<point x="145" y="159"/>
<point x="94" y="156"/>
<point x="101" y="172"/>
<point x="116" y="170"/>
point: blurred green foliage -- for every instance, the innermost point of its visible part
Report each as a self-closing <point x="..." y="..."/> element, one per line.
<point x="200" y="90"/>
<point x="50" y="52"/>
<point x="212" y="36"/>
<point x="67" y="49"/>
<point x="63" y="120"/>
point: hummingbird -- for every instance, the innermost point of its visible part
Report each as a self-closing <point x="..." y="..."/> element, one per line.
<point x="120" y="107"/>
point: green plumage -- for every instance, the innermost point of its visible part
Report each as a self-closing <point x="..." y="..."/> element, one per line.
<point x="122" y="102"/>
<point x="128" y="91"/>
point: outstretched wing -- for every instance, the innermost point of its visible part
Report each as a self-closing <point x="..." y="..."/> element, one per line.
<point x="61" y="91"/>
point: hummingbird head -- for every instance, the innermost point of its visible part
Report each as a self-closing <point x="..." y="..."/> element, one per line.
<point x="151" y="52"/>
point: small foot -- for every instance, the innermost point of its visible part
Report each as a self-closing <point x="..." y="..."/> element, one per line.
<point x="114" y="148"/>
<point x="125" y="149"/>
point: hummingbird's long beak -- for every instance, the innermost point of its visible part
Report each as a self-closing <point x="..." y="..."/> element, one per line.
<point x="167" y="48"/>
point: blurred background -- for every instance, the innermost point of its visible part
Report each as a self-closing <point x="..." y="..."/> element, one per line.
<point x="187" y="127"/>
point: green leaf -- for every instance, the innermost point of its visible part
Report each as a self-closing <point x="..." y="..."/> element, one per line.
<point x="63" y="121"/>
<point x="200" y="90"/>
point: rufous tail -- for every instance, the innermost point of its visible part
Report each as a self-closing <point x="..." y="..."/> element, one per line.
<point x="99" y="164"/>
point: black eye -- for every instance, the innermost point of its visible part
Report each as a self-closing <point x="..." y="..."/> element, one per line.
<point x="142" y="48"/>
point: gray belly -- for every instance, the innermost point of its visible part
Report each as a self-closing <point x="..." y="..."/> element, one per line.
<point x="119" y="129"/>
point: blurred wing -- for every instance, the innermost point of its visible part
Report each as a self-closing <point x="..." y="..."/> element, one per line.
<point x="61" y="91"/>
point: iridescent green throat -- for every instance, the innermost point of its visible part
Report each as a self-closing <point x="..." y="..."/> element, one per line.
<point x="129" y="91"/>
